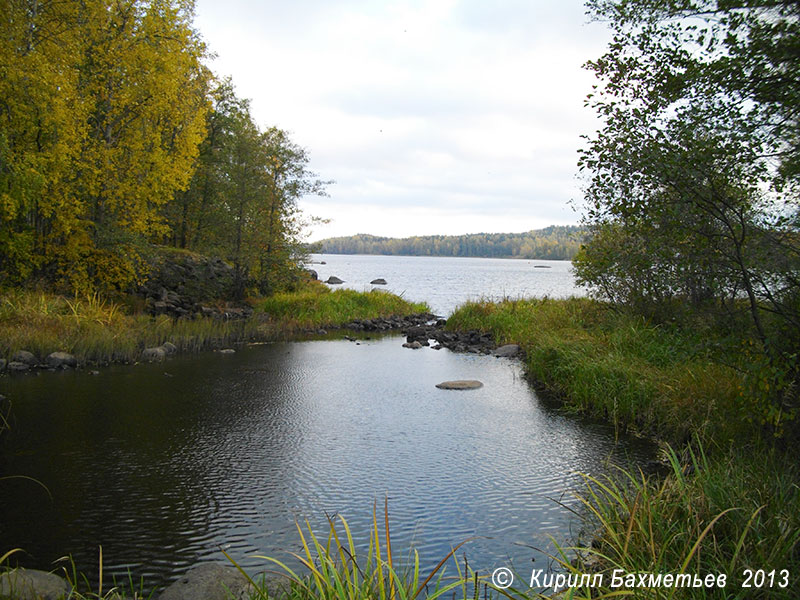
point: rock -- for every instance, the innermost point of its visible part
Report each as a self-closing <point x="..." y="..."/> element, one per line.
<point x="30" y="584"/>
<point x="412" y="345"/>
<point x="17" y="366"/>
<point x="169" y="347"/>
<point x="61" y="360"/>
<point x="227" y="351"/>
<point x="461" y="384"/>
<point x="507" y="350"/>
<point x="94" y="372"/>
<point x="312" y="274"/>
<point x="420" y="333"/>
<point x="333" y="280"/>
<point x="379" y="281"/>
<point x="3" y="363"/>
<point x="153" y="354"/>
<point x="208" y="582"/>
<point x="23" y="356"/>
<point x="541" y="266"/>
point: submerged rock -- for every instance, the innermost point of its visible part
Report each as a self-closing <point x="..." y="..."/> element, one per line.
<point x="208" y="582"/>
<point x="30" y="584"/>
<point x="227" y="351"/>
<point x="333" y="280"/>
<point x="379" y="281"/>
<point x="460" y="384"/>
<point x="17" y="366"/>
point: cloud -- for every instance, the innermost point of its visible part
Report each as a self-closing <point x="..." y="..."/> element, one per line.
<point x="461" y="113"/>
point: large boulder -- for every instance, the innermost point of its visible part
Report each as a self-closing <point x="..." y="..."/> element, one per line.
<point x="23" y="356"/>
<point x="30" y="584"/>
<point x="208" y="582"/>
<point x="61" y="360"/>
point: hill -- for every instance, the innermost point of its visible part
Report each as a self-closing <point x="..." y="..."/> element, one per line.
<point x="557" y="242"/>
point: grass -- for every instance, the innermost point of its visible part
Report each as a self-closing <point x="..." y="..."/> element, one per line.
<point x="654" y="380"/>
<point x="316" y="306"/>
<point x="730" y="515"/>
<point x="95" y="330"/>
<point x="334" y="568"/>
<point x="736" y="507"/>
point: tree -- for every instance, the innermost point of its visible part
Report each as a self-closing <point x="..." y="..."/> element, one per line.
<point x="694" y="174"/>
<point x="242" y="201"/>
<point x="103" y="107"/>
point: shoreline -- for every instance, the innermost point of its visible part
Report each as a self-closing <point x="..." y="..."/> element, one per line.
<point x="567" y="345"/>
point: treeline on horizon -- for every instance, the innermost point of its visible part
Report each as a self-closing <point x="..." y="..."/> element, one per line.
<point x="557" y="242"/>
<point x="116" y="139"/>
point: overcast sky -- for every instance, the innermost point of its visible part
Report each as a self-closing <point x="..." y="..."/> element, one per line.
<point x="437" y="116"/>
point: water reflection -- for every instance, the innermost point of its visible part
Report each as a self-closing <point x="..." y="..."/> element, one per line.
<point x="164" y="464"/>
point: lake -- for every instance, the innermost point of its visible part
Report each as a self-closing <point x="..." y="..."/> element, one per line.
<point x="446" y="282"/>
<point x="164" y="464"/>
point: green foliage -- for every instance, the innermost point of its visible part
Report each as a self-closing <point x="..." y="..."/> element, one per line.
<point x="711" y="515"/>
<point x="658" y="380"/>
<point x="694" y="179"/>
<point x="104" y="105"/>
<point x="242" y="201"/>
<point x="115" y="136"/>
<point x="551" y="243"/>
<point x="316" y="306"/>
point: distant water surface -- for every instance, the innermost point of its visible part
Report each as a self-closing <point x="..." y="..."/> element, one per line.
<point x="446" y="282"/>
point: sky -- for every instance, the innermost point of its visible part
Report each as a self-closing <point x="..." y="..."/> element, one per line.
<point x="431" y="116"/>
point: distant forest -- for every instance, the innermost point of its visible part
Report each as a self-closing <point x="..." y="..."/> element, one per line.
<point x="557" y="242"/>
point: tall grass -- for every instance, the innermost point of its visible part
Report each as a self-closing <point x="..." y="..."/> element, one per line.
<point x="317" y="306"/>
<point x="720" y="517"/>
<point x="96" y="330"/>
<point x="735" y="508"/>
<point x="334" y="568"/>
<point x="655" y="380"/>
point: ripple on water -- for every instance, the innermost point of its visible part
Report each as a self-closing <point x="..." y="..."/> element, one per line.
<point x="229" y="453"/>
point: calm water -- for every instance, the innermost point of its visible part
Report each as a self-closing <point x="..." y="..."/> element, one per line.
<point x="164" y="464"/>
<point x="444" y="282"/>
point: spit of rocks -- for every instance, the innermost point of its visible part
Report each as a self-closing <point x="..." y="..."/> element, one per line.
<point x="472" y="341"/>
